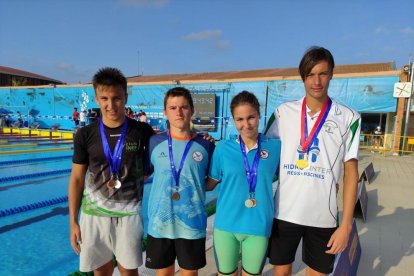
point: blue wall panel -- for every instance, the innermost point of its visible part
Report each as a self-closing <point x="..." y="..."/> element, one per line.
<point x="50" y="106"/>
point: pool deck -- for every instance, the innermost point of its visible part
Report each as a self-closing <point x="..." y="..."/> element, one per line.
<point x="387" y="236"/>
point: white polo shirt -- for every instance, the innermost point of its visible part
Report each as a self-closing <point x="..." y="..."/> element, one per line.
<point x="308" y="196"/>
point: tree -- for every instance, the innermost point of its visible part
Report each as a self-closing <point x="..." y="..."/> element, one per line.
<point x="19" y="81"/>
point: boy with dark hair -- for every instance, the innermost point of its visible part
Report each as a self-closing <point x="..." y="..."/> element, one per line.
<point x="108" y="172"/>
<point x="176" y="208"/>
<point x="320" y="139"/>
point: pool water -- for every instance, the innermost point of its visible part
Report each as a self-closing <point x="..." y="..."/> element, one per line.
<point x="36" y="242"/>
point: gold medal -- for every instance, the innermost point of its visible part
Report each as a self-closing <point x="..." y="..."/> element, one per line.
<point x="249" y="203"/>
<point x="175" y="196"/>
<point x="302" y="163"/>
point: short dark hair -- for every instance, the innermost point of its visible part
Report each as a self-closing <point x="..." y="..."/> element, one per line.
<point x="313" y="56"/>
<point x="245" y="97"/>
<point x="109" y="76"/>
<point x="179" y="92"/>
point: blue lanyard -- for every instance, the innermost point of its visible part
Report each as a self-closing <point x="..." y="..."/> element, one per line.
<point x="114" y="159"/>
<point x="251" y="173"/>
<point x="176" y="174"/>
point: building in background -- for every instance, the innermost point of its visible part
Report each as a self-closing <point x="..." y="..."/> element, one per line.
<point x="364" y="87"/>
<point x="15" y="77"/>
<point x="367" y="88"/>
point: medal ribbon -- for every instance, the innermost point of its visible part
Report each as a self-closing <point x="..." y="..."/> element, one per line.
<point x="251" y="173"/>
<point x="114" y="159"/>
<point x="176" y="174"/>
<point x="306" y="140"/>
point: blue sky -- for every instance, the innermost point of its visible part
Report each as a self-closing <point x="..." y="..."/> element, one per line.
<point x="69" y="40"/>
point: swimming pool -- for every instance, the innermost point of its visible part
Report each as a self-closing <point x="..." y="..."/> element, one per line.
<point x="35" y="239"/>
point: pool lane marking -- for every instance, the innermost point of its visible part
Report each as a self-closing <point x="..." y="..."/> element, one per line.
<point x="33" y="150"/>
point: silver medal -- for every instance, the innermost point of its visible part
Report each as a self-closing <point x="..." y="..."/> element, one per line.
<point x="117" y="184"/>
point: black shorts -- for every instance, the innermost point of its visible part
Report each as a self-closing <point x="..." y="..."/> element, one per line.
<point x="286" y="237"/>
<point x="161" y="253"/>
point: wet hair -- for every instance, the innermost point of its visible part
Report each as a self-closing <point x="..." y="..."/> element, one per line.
<point x="179" y="92"/>
<point x="245" y="97"/>
<point x="313" y="56"/>
<point x="109" y="76"/>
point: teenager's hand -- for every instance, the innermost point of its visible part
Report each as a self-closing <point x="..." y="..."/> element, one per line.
<point x="75" y="238"/>
<point x="339" y="240"/>
<point x="207" y="136"/>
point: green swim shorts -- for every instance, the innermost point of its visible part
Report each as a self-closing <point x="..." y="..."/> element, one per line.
<point x="227" y="249"/>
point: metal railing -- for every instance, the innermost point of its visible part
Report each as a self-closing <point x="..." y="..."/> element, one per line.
<point x="387" y="143"/>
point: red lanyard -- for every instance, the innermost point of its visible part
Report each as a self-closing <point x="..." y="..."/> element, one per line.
<point x="305" y="139"/>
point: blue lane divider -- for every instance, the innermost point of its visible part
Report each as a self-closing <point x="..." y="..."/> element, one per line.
<point x="34" y="160"/>
<point x="32" y="175"/>
<point x="32" y="206"/>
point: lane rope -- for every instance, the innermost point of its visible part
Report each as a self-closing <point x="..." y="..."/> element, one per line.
<point x="33" y="175"/>
<point x="33" y="206"/>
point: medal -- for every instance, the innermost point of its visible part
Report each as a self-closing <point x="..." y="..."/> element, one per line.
<point x="114" y="159"/>
<point x="114" y="182"/>
<point x="111" y="184"/>
<point x="254" y="201"/>
<point x="249" y="203"/>
<point x="176" y="174"/>
<point x="175" y="196"/>
<point x="307" y="140"/>
<point x="251" y="173"/>
<point x="302" y="163"/>
<point x="117" y="184"/>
